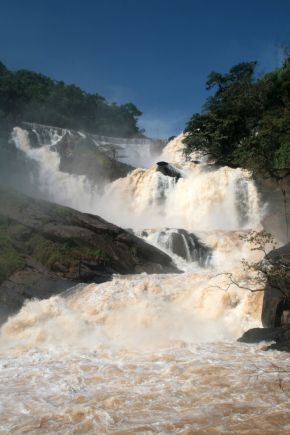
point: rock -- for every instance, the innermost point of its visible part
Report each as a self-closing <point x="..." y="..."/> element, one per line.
<point x="168" y="170"/>
<point x="276" y="301"/>
<point x="189" y="247"/>
<point x="281" y="337"/>
<point x="182" y="243"/>
<point x="46" y="248"/>
<point x="79" y="155"/>
<point x="257" y="335"/>
<point x="282" y="346"/>
<point x="276" y="194"/>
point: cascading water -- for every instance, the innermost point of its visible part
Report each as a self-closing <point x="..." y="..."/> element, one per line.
<point x="148" y="354"/>
<point x="71" y="190"/>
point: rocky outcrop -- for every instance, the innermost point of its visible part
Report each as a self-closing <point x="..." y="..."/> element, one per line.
<point x="280" y="336"/>
<point x="181" y="243"/>
<point x="46" y="248"/>
<point x="79" y="155"/>
<point x="276" y="196"/>
<point x="276" y="302"/>
<point x="168" y="170"/>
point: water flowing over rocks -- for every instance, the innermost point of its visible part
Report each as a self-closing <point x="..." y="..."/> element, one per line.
<point x="275" y="194"/>
<point x="132" y="152"/>
<point x="179" y="242"/>
<point x="140" y="353"/>
<point x="78" y="152"/>
<point x="49" y="247"/>
<point x="168" y="170"/>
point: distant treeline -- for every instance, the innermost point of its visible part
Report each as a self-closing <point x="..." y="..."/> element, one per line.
<point x="246" y="120"/>
<point x="29" y="96"/>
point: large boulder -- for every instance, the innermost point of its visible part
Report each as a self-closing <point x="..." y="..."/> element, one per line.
<point x="168" y="170"/>
<point x="279" y="336"/>
<point x="46" y="248"/>
<point x="276" y="302"/>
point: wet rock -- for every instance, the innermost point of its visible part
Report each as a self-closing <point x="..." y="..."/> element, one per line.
<point x="276" y="300"/>
<point x="257" y="335"/>
<point x="276" y="194"/>
<point x="79" y="155"/>
<point x="168" y="170"/>
<point x="46" y="248"/>
<point x="281" y="337"/>
<point x="181" y="243"/>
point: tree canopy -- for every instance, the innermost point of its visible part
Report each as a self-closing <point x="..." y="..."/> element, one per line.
<point x="246" y="121"/>
<point x="29" y="96"/>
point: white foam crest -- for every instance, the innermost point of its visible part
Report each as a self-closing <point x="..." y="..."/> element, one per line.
<point x="202" y="200"/>
<point x="141" y="311"/>
<point x="63" y="188"/>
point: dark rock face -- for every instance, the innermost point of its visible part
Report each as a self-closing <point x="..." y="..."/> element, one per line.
<point x="276" y="194"/>
<point x="276" y="306"/>
<point x="168" y="170"/>
<point x="79" y="155"/>
<point x="276" y="302"/>
<point x="16" y="171"/>
<point x="281" y="337"/>
<point x="184" y="244"/>
<point x="46" y="248"/>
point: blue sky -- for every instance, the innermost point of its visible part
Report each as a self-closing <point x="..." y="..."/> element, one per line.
<point x="155" y="53"/>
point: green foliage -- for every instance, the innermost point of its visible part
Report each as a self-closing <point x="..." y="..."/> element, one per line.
<point x="28" y="96"/>
<point x="69" y="253"/>
<point x="270" y="269"/>
<point x="246" y="122"/>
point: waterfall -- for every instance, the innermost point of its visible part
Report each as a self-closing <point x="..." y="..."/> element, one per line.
<point x="147" y="353"/>
<point x="74" y="191"/>
<point x="204" y="200"/>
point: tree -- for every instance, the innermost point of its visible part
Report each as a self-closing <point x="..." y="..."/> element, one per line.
<point x="246" y="121"/>
<point x="29" y="96"/>
<point x="270" y="274"/>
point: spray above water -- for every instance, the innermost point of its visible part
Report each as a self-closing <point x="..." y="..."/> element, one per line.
<point x="169" y="212"/>
<point x="147" y="353"/>
<point x="204" y="199"/>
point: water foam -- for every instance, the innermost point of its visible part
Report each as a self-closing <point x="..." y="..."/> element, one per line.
<point x="149" y="354"/>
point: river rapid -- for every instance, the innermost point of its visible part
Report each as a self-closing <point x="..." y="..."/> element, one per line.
<point x="149" y="353"/>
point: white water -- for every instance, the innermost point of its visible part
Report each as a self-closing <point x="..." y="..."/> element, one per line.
<point x="137" y="152"/>
<point x="148" y="354"/>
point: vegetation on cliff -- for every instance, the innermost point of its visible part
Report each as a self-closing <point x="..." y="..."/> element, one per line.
<point x="246" y="121"/>
<point x="29" y="96"/>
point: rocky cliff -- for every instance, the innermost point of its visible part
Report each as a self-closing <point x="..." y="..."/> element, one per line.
<point x="276" y="196"/>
